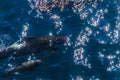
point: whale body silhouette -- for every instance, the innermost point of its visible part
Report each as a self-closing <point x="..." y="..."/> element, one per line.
<point x="32" y="45"/>
<point x="25" y="66"/>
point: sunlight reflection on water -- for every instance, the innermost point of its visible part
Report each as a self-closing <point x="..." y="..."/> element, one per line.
<point x="99" y="25"/>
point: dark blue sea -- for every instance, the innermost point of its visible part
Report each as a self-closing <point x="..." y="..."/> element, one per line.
<point x="93" y="50"/>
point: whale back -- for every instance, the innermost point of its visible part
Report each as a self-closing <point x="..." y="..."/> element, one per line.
<point x="45" y="40"/>
<point x="28" y="39"/>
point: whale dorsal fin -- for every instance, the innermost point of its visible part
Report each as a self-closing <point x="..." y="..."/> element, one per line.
<point x="28" y="39"/>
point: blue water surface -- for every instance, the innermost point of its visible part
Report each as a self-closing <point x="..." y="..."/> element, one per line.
<point x="93" y="50"/>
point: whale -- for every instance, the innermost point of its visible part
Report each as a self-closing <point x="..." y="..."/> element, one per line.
<point x="32" y="45"/>
<point x="25" y="66"/>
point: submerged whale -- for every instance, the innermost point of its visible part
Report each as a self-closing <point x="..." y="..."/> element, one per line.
<point x="32" y="45"/>
<point x="25" y="66"/>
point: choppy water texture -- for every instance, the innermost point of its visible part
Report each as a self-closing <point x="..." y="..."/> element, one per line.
<point x="93" y="52"/>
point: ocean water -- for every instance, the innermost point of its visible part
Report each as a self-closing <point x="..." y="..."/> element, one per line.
<point x="93" y="50"/>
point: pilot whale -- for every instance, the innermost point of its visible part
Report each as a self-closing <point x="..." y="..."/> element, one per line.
<point x="25" y="66"/>
<point x="32" y="45"/>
